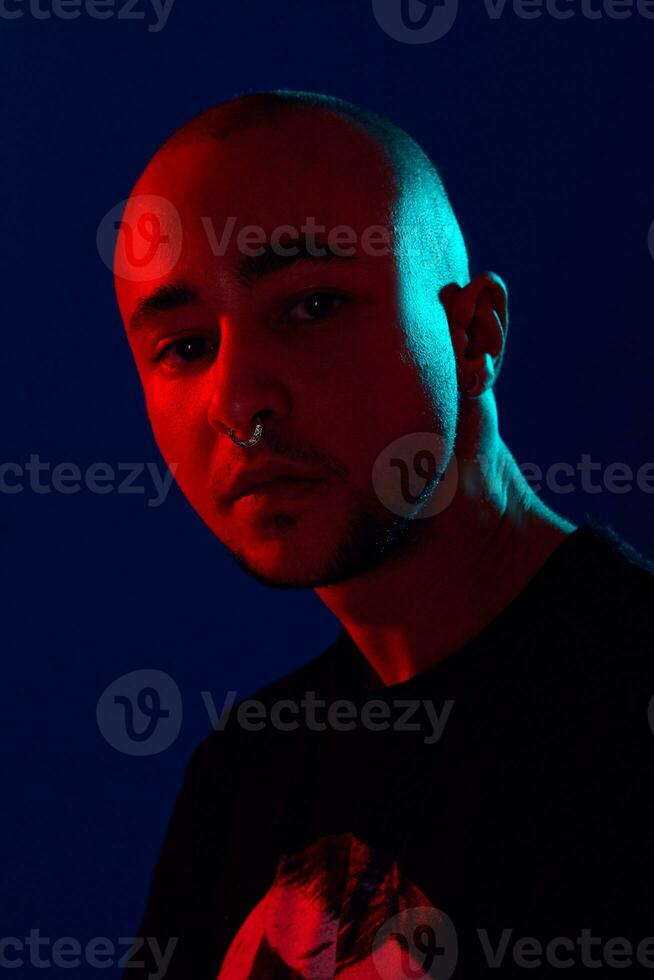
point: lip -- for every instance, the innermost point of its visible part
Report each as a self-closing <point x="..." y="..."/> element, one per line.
<point x="283" y="489"/>
<point x="270" y="477"/>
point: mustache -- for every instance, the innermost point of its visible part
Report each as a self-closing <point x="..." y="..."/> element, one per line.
<point x="278" y="447"/>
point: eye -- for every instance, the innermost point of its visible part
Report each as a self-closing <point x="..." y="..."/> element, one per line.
<point x="315" y="306"/>
<point x="186" y="350"/>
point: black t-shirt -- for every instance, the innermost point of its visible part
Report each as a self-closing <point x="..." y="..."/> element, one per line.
<point x="491" y="816"/>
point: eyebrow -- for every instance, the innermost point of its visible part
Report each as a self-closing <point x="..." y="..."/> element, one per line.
<point x="172" y="296"/>
<point x="251" y="269"/>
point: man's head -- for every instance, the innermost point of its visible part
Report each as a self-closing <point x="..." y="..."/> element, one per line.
<point x="306" y="253"/>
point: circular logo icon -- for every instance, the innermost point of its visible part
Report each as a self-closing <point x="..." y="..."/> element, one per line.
<point x="408" y="479"/>
<point x="140" y="713"/>
<point x="416" y="21"/>
<point x="140" y="239"/>
<point x="416" y="943"/>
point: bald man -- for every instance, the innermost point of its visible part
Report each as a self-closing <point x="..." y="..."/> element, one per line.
<point x="318" y="367"/>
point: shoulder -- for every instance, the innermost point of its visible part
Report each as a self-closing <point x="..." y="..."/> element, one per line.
<point x="614" y="581"/>
<point x="600" y="674"/>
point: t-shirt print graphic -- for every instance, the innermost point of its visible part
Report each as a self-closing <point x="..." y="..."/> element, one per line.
<point x="322" y="916"/>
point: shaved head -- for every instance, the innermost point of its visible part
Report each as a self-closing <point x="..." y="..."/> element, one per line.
<point x="425" y="227"/>
<point x="339" y="356"/>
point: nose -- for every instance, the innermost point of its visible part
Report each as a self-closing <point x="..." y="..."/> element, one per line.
<point x="245" y="385"/>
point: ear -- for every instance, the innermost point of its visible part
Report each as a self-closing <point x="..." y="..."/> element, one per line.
<point x="478" y="319"/>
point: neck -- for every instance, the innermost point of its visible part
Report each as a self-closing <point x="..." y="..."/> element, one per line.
<point x="464" y="566"/>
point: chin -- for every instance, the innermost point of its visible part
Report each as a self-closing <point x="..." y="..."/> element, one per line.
<point x="282" y="571"/>
<point x="284" y="552"/>
<point x="290" y="549"/>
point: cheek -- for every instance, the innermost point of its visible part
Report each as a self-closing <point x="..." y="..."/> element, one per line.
<point x="180" y="427"/>
<point x="384" y="395"/>
<point x="382" y="419"/>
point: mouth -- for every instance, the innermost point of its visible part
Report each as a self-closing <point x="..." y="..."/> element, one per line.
<point x="290" y="487"/>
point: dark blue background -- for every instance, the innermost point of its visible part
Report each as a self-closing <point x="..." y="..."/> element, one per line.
<point x="543" y="132"/>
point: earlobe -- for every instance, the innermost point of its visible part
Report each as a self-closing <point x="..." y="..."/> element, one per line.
<point x="475" y="386"/>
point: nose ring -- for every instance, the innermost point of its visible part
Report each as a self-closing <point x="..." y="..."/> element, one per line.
<point x="254" y="438"/>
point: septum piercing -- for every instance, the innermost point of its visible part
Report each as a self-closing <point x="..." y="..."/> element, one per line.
<point x="254" y="438"/>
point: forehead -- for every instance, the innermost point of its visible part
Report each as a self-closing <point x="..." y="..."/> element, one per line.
<point x="307" y="168"/>
<point x="280" y="170"/>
